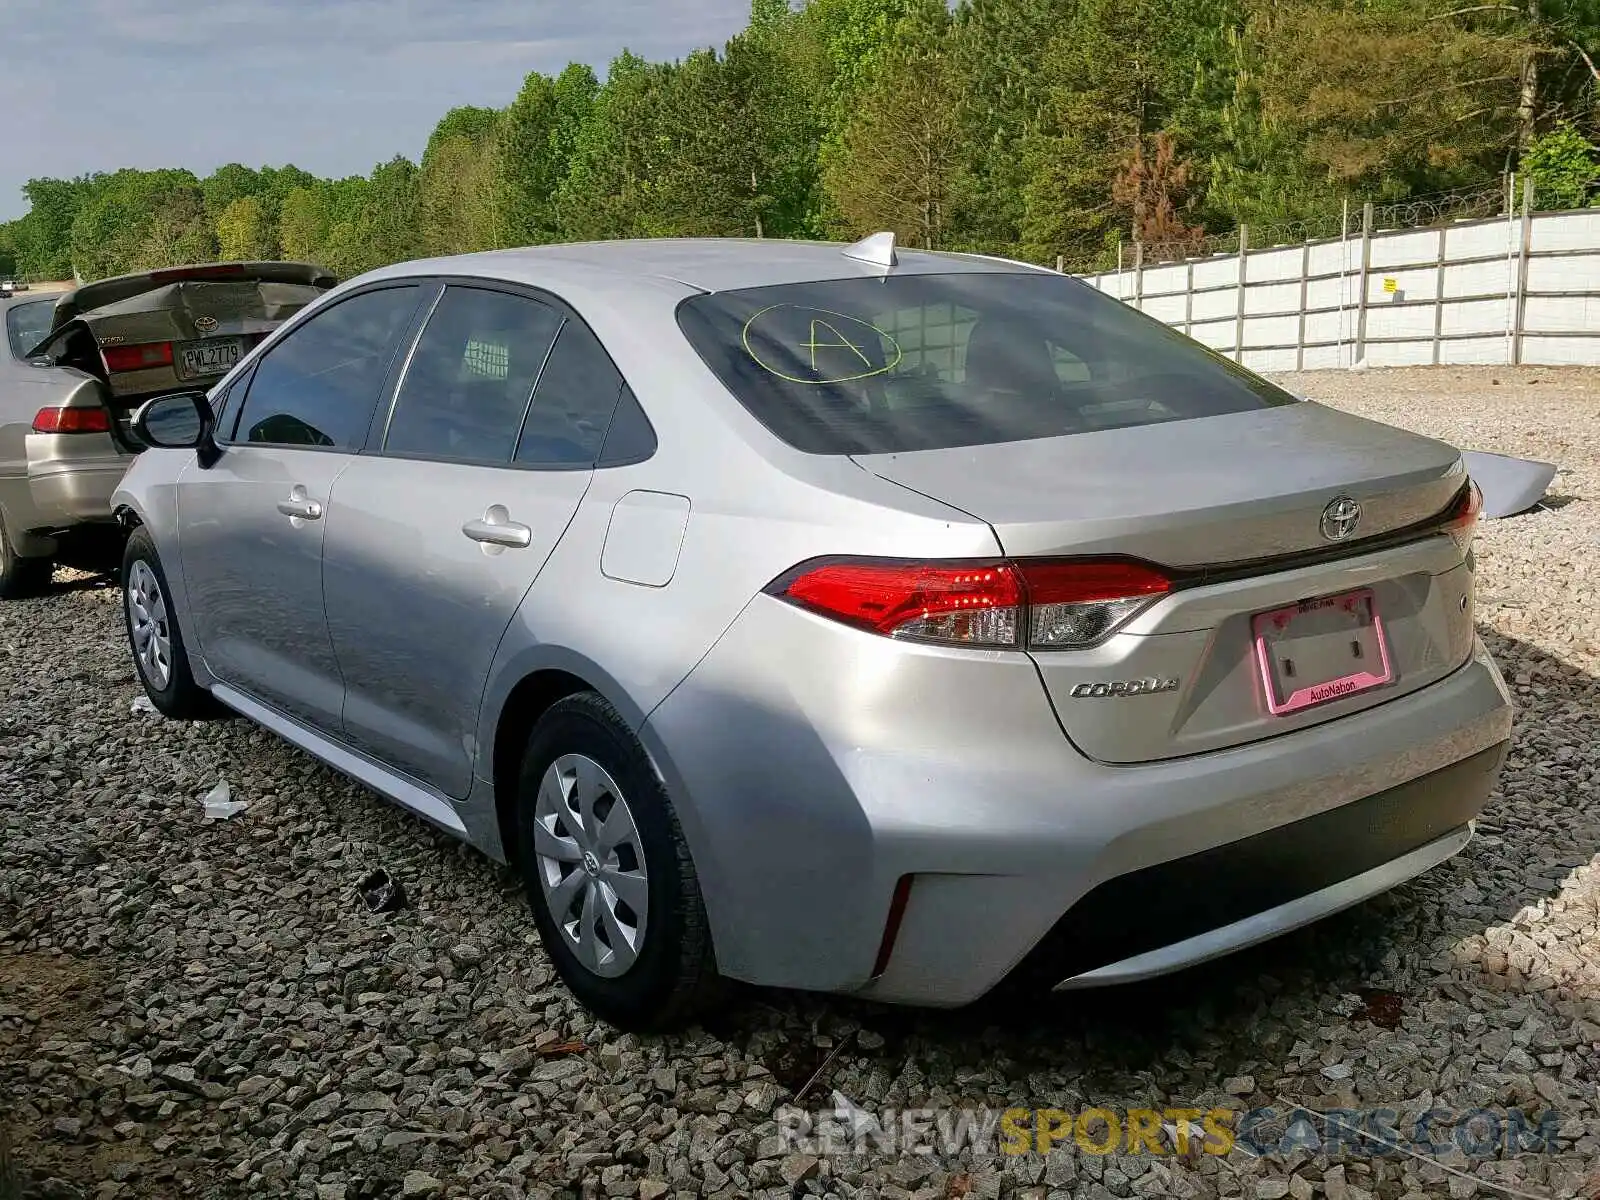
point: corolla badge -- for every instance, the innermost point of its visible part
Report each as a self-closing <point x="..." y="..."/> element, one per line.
<point x="1124" y="687"/>
<point x="206" y="324"/>
<point x="1340" y="518"/>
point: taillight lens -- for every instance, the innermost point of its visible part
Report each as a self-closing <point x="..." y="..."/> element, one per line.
<point x="137" y="358"/>
<point x="1043" y="605"/>
<point x="72" y="420"/>
<point x="1461" y="523"/>
<point x="1078" y="603"/>
<point x="972" y="604"/>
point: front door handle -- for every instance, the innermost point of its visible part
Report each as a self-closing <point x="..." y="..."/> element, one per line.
<point x="496" y="530"/>
<point x="300" y="505"/>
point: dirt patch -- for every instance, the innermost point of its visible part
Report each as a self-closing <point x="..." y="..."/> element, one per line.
<point x="46" y="995"/>
<point x="49" y="999"/>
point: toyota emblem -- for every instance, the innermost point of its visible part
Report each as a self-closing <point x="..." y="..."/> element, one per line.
<point x="205" y="324"/>
<point x="1340" y="518"/>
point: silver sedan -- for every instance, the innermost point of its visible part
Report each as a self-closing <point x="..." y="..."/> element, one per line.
<point x="837" y="618"/>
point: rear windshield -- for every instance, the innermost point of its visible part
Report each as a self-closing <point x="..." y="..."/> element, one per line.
<point x="26" y="325"/>
<point x="924" y="362"/>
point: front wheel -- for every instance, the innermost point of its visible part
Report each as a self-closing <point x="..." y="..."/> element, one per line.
<point x="159" y="654"/>
<point x="612" y="885"/>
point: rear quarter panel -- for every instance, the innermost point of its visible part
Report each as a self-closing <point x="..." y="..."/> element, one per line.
<point x="24" y="390"/>
<point x="753" y="512"/>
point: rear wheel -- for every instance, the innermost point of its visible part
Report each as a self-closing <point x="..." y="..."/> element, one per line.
<point x="609" y="876"/>
<point x="21" y="577"/>
<point x="159" y="655"/>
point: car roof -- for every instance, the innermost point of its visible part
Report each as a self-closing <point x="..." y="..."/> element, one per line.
<point x="705" y="264"/>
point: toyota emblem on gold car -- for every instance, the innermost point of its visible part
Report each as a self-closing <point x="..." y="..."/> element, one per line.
<point x="206" y="324"/>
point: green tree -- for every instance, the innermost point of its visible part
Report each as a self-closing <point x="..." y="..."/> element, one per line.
<point x="1564" y="168"/>
<point x="900" y="158"/>
<point x="470" y="122"/>
<point x="1112" y="78"/>
<point x="245" y="231"/>
<point x="44" y="235"/>
<point x="777" y="76"/>
<point x="8" y="248"/>
<point x="622" y="146"/>
<point x="177" y="232"/>
<point x="457" y="197"/>
<point x="1395" y="98"/>
<point x="305" y="222"/>
<point x="139" y="219"/>
<point x="529" y="170"/>
<point x="997" y="53"/>
<point x="228" y="183"/>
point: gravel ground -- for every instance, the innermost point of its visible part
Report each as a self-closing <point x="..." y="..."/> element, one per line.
<point x="206" y="1008"/>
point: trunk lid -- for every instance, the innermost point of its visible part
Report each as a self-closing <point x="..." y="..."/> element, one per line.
<point x="1197" y="493"/>
<point x="1234" y="505"/>
<point x="178" y="328"/>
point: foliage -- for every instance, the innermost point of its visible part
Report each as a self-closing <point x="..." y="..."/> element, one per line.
<point x="244" y="231"/>
<point x="139" y="220"/>
<point x="1029" y="128"/>
<point x="459" y="207"/>
<point x="1563" y="167"/>
<point x="8" y="248"/>
<point x="900" y="158"/>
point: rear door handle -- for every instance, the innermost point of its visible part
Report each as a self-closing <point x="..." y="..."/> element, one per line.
<point x="496" y="528"/>
<point x="300" y="505"/>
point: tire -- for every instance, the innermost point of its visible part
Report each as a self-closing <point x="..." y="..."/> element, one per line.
<point x="154" y="638"/>
<point x="641" y="971"/>
<point x="21" y="577"/>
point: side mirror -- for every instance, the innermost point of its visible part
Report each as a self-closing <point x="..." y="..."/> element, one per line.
<point x="180" y="422"/>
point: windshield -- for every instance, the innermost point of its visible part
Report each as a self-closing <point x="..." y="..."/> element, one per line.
<point x="26" y="325"/>
<point x="921" y="362"/>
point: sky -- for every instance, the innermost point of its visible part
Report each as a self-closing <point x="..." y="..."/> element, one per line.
<point x="333" y="86"/>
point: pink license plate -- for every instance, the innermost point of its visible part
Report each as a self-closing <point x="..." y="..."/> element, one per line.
<point x="1320" y="650"/>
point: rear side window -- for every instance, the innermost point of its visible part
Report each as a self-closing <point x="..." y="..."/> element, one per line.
<point x="467" y="386"/>
<point x="26" y="325"/>
<point x="918" y="362"/>
<point x="573" y="403"/>
<point x="318" y="387"/>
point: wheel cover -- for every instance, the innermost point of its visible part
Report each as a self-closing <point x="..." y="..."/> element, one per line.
<point x="591" y="865"/>
<point x="147" y="619"/>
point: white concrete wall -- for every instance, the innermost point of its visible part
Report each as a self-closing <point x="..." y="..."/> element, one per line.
<point x="1461" y="295"/>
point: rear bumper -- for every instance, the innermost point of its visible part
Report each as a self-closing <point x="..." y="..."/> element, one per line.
<point x="814" y="767"/>
<point x="1270" y="922"/>
<point x="71" y="478"/>
<point x="1188" y="910"/>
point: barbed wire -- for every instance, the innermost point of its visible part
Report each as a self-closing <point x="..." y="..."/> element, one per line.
<point x="1422" y="211"/>
<point x="1414" y="212"/>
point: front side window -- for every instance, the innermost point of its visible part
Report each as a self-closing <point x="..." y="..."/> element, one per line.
<point x="921" y="362"/>
<point x="26" y="325"/>
<point x="466" y="389"/>
<point x="319" y="385"/>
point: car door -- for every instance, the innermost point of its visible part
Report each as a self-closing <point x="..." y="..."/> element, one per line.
<point x="436" y="535"/>
<point x="251" y="525"/>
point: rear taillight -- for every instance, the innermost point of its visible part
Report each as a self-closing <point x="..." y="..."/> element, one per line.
<point x="1461" y="522"/>
<point x="1040" y="605"/>
<point x="137" y="358"/>
<point x="72" y="420"/>
<point x="1078" y="603"/>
